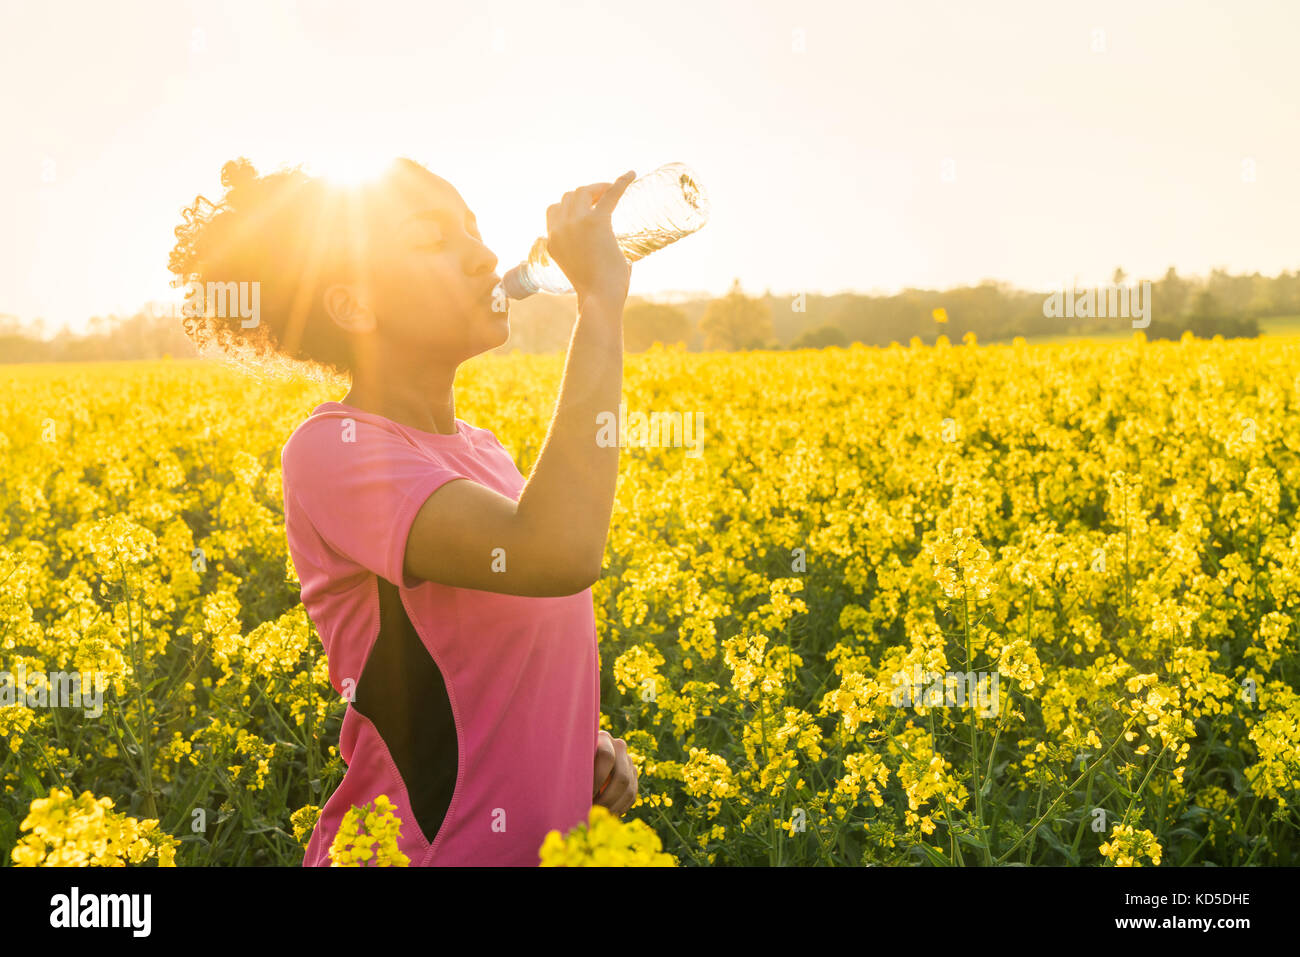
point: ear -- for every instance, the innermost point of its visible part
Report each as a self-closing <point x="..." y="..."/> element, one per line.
<point x="346" y="309"/>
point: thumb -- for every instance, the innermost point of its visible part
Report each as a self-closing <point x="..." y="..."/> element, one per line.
<point x="611" y="196"/>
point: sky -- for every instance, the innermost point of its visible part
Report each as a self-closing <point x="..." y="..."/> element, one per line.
<point x="844" y="146"/>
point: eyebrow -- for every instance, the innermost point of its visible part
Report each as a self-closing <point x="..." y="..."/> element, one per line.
<point x="440" y="214"/>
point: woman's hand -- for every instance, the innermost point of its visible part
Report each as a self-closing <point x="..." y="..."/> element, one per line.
<point x="580" y="238"/>
<point x="615" y="782"/>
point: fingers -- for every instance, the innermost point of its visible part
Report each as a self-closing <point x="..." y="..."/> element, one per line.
<point x="581" y="200"/>
<point x="592" y="191"/>
<point x="610" y="197"/>
<point x="605" y="760"/>
<point x="570" y="207"/>
<point x="572" y="203"/>
<point x="620" y="791"/>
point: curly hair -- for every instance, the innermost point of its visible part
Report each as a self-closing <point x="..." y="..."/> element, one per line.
<point x="285" y="232"/>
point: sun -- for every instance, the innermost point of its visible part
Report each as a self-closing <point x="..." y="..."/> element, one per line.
<point x="348" y="169"/>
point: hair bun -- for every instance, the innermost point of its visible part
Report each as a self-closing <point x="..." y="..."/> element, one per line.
<point x="238" y="173"/>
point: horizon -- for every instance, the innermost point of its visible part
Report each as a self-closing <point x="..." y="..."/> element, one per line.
<point x="677" y="296"/>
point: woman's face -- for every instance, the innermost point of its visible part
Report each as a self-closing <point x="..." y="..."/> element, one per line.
<point x="432" y="276"/>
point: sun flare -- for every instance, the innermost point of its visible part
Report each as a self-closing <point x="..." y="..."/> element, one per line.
<point x="348" y="169"/>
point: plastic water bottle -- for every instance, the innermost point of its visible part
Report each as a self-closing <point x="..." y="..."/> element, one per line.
<point x="655" y="210"/>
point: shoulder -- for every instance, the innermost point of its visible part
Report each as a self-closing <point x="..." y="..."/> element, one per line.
<point x="310" y="433"/>
<point x="329" y="430"/>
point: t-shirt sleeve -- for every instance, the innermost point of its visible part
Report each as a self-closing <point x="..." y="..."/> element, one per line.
<point x="360" y="488"/>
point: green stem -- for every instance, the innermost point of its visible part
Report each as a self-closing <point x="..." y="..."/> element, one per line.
<point x="1083" y="818"/>
<point x="682" y="840"/>
<point x="771" y="818"/>
<point x="1038" y="807"/>
<point x="974" y="743"/>
<point x="137" y="656"/>
<point x="954" y="845"/>
<point x="1083" y="774"/>
<point x="1142" y="787"/>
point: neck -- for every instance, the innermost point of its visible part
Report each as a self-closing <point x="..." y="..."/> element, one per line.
<point x="416" y="391"/>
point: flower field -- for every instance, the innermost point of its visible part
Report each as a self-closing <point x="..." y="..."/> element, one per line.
<point x="957" y="604"/>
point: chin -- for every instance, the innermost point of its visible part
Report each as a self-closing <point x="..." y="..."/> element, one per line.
<point x="501" y="323"/>
<point x="492" y="341"/>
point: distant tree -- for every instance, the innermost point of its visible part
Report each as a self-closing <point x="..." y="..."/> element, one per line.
<point x="1169" y="296"/>
<point x="737" y="321"/>
<point x="1263" y="295"/>
<point x="1209" y="318"/>
<point x="1285" y="294"/>
<point x="821" y="337"/>
<point x="1206" y="319"/>
<point x="645" y="323"/>
<point x="1206" y="306"/>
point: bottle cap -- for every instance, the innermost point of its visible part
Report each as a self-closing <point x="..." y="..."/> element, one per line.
<point x="513" y="283"/>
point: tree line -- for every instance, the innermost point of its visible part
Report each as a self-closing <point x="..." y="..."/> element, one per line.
<point x="1219" y="304"/>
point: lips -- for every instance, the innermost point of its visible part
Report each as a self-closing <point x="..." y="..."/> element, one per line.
<point x="490" y="300"/>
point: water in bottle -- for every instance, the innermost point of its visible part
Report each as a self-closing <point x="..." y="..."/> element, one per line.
<point x="655" y="210"/>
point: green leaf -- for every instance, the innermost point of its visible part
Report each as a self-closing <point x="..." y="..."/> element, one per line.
<point x="33" y="783"/>
<point x="8" y="829"/>
<point x="935" y="857"/>
<point x="1051" y="840"/>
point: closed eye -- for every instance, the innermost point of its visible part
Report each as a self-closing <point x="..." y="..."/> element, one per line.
<point x="444" y="218"/>
<point x="441" y="244"/>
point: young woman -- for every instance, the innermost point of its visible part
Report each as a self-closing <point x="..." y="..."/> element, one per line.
<point x="452" y="597"/>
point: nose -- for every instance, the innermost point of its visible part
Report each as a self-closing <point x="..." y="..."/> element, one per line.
<point x="482" y="260"/>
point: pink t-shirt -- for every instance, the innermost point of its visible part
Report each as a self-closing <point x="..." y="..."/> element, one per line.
<point x="476" y="713"/>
